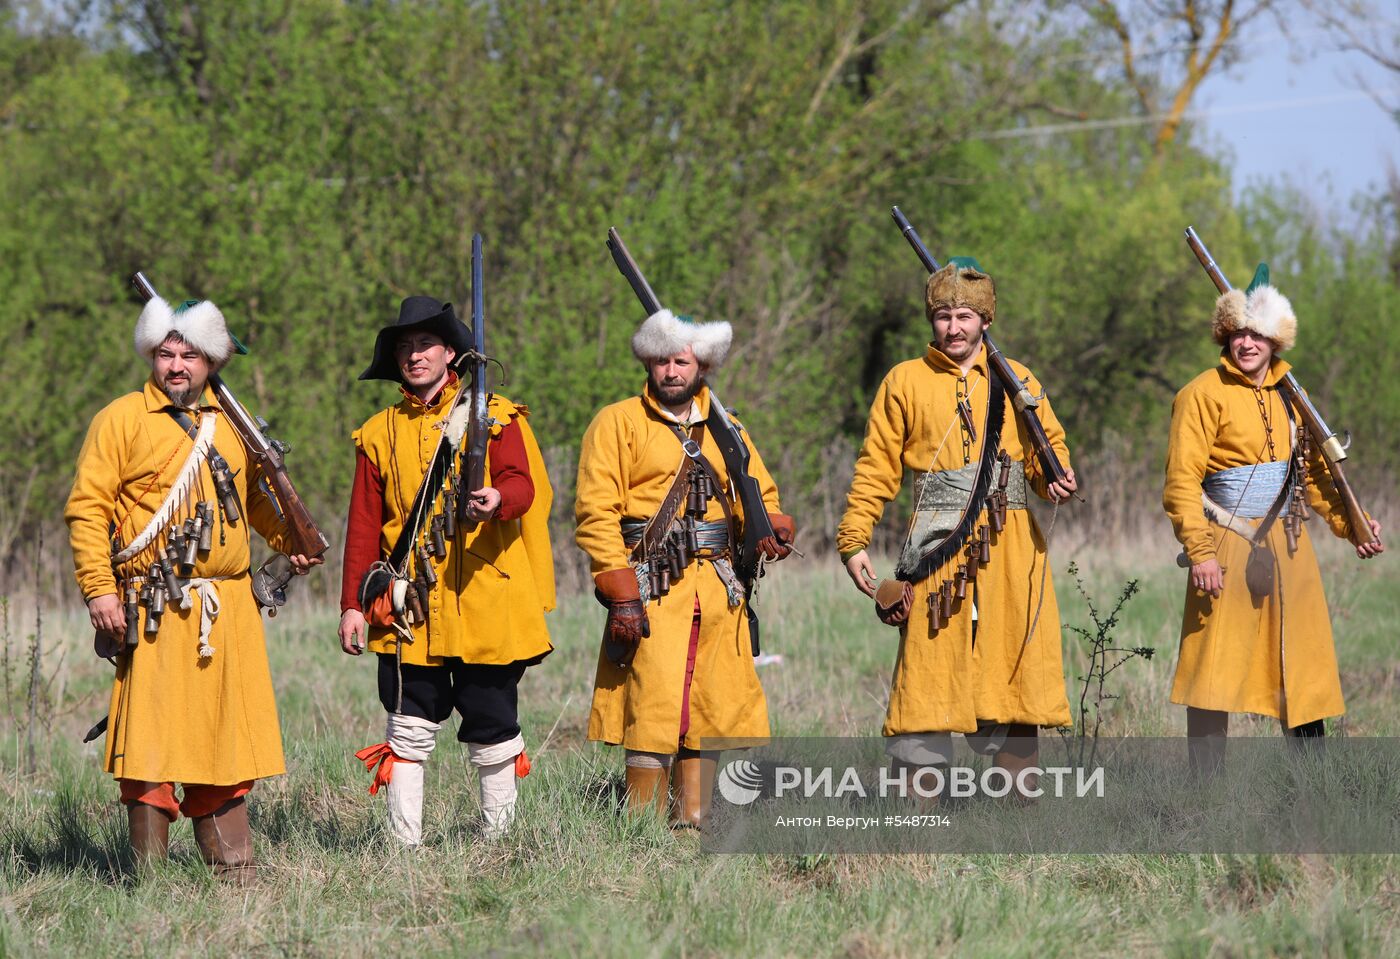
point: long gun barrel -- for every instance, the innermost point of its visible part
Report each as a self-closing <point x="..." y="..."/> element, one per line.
<point x="1333" y="450"/>
<point x="628" y="268"/>
<point x="307" y="538"/>
<point x="478" y="421"/>
<point x="1022" y="399"/>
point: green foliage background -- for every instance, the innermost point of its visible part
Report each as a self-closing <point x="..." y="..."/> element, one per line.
<point x="307" y="165"/>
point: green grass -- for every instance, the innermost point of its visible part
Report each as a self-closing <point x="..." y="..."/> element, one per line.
<point x="576" y="878"/>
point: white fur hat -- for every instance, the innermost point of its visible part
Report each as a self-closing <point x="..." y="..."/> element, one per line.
<point x="665" y="334"/>
<point x="1263" y="310"/>
<point x="198" y="322"/>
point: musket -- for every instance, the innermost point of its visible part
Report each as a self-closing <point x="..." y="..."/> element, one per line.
<point x="1024" y="401"/>
<point x="478" y="420"/>
<point x="306" y="537"/>
<point x="732" y="447"/>
<point x="1334" y="451"/>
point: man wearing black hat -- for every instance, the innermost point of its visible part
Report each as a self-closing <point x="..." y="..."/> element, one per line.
<point x="463" y="612"/>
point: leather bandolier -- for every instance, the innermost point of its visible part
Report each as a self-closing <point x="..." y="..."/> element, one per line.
<point x="678" y="534"/>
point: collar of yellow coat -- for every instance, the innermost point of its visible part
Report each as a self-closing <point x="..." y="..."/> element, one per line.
<point x="1278" y="367"/>
<point x="702" y="402"/>
<point x="940" y="362"/>
<point x="444" y="396"/>
<point x="158" y="402"/>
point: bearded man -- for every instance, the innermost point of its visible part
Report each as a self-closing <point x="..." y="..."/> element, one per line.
<point x="159" y="522"/>
<point x="1255" y="637"/>
<point x="658" y="516"/>
<point x="482" y="591"/>
<point x="979" y="648"/>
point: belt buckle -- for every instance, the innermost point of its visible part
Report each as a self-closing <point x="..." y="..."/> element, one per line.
<point x="692" y="448"/>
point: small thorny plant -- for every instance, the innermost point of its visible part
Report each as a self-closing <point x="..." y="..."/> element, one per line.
<point x="1104" y="658"/>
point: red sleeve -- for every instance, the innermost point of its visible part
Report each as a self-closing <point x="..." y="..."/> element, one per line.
<point x="510" y="471"/>
<point x="363" y="531"/>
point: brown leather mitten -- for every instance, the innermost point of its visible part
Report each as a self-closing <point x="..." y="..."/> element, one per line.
<point x="627" y="622"/>
<point x="780" y="547"/>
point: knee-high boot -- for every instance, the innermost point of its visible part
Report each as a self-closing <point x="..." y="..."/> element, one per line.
<point x="693" y="777"/>
<point x="1021" y="752"/>
<point x="149" y="829"/>
<point x="225" y="841"/>
<point x="648" y="779"/>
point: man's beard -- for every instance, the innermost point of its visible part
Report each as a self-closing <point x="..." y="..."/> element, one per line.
<point x="182" y="395"/>
<point x="968" y="344"/>
<point x="676" y="395"/>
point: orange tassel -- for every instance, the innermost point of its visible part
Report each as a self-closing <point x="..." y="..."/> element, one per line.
<point x="379" y="754"/>
<point x="522" y="765"/>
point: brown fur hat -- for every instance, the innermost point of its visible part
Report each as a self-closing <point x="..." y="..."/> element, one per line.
<point x="1263" y="310"/>
<point x="961" y="282"/>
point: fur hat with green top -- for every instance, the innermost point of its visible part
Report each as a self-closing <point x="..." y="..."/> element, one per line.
<point x="197" y="322"/>
<point x="1258" y="308"/>
<point x="961" y="282"/>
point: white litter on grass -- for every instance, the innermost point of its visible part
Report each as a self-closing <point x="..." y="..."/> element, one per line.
<point x="768" y="659"/>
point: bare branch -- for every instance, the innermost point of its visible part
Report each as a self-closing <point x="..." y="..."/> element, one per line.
<point x="1111" y="17"/>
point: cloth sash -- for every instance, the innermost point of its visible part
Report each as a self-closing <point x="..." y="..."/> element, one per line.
<point x="941" y="497"/>
<point x="711" y="534"/>
<point x="1247" y="491"/>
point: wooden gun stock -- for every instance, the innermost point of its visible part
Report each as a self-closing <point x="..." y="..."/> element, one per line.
<point x="1332" y="450"/>
<point x="307" y="538"/>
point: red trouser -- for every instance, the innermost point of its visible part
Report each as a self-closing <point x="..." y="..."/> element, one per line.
<point x="199" y="800"/>
<point x="690" y="669"/>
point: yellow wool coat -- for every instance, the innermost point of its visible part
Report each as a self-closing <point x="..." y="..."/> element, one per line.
<point x="628" y="460"/>
<point x="496" y="582"/>
<point x="175" y="717"/>
<point x="946" y="682"/>
<point x="1273" y="657"/>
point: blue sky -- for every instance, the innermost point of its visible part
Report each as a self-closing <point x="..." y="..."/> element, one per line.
<point x="1303" y="113"/>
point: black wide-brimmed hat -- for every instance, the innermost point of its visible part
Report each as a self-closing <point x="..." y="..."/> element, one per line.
<point x="416" y="313"/>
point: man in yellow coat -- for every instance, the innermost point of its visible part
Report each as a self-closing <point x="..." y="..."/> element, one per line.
<point x="1233" y="455"/>
<point x="159" y="522"/>
<point x="476" y="590"/>
<point x="676" y="673"/>
<point x="979" y="649"/>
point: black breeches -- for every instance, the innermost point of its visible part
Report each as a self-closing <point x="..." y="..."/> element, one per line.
<point x="484" y="696"/>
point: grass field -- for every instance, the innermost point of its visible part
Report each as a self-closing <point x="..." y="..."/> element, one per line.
<point x="576" y="878"/>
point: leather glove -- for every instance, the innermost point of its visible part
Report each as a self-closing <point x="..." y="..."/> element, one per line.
<point x="627" y="626"/>
<point x="627" y="622"/>
<point x="893" y="600"/>
<point x="778" y="548"/>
